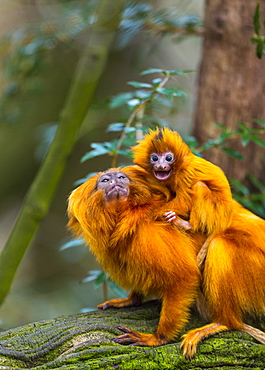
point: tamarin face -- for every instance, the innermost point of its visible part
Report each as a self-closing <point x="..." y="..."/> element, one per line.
<point x="114" y="184"/>
<point x="162" y="165"/>
<point x="162" y="152"/>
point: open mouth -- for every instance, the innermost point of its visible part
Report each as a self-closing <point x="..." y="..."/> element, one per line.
<point x="162" y="175"/>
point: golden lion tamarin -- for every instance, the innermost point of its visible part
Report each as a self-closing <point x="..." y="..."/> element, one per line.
<point x="233" y="273"/>
<point x="116" y="213"/>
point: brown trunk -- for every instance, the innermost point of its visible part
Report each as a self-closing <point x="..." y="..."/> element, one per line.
<point x="231" y="86"/>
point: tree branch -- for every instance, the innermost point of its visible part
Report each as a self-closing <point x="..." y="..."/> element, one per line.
<point x="83" y="341"/>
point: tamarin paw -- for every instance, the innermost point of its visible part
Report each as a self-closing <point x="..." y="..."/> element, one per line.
<point x="134" y="338"/>
<point x="189" y="348"/>
<point x="170" y="216"/>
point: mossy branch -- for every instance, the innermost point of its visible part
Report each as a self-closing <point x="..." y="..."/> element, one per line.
<point x="42" y="190"/>
<point x="84" y="342"/>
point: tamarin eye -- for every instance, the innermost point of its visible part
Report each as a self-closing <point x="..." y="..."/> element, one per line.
<point x="105" y="180"/>
<point x="121" y="177"/>
<point x="154" y="158"/>
<point x="169" y="158"/>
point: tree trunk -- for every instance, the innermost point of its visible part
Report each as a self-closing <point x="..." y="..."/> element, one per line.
<point x="84" y="342"/>
<point x="231" y="86"/>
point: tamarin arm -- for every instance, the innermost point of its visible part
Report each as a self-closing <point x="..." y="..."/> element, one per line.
<point x="211" y="210"/>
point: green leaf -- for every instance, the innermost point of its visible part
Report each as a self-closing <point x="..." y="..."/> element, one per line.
<point x="165" y="72"/>
<point x="126" y="153"/>
<point x="257" y="140"/>
<point x="223" y="137"/>
<point x="102" y="277"/>
<point x="239" y="186"/>
<point x="256" y="182"/>
<point x="143" y="94"/>
<point x="120" y="99"/>
<point x="256" y="19"/>
<point x="93" y="275"/>
<point x="84" y="179"/>
<point x="209" y="144"/>
<point x="88" y="279"/>
<point x="152" y="70"/>
<point x="170" y="92"/>
<point x="160" y="99"/>
<point x="72" y="243"/>
<point x="232" y="153"/>
<point x="139" y="85"/>
<point x="222" y="126"/>
<point x="117" y="126"/>
<point x="245" y="139"/>
<point x="259" y="48"/>
<point x="260" y="122"/>
<point x="98" y="149"/>
<point x="156" y="82"/>
<point x="177" y="72"/>
<point x="128" y="130"/>
<point x="133" y="103"/>
<point x="191" y="141"/>
<point x="243" y="126"/>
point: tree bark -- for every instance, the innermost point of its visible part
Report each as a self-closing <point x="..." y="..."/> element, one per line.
<point x="84" y="342"/>
<point x="231" y="86"/>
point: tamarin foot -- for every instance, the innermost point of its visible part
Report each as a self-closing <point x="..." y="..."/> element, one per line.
<point x="134" y="299"/>
<point x="138" y="339"/>
<point x="193" y="337"/>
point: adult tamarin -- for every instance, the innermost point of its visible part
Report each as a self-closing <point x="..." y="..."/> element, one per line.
<point x="116" y="212"/>
<point x="233" y="273"/>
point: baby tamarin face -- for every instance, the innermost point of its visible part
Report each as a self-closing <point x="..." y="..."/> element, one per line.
<point x="115" y="185"/>
<point x="162" y="165"/>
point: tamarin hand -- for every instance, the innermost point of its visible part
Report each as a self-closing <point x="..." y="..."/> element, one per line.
<point x="171" y="217"/>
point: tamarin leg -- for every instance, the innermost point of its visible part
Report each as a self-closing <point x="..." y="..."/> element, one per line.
<point x="133" y="299"/>
<point x="192" y="338"/>
<point x="173" y="316"/>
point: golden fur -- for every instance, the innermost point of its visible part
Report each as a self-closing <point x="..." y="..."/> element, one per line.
<point x="233" y="272"/>
<point x="141" y="253"/>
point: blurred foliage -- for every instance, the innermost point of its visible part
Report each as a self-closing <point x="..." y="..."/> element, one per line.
<point x="80" y="95"/>
<point x="258" y="39"/>
<point x="25" y="52"/>
<point x="144" y="105"/>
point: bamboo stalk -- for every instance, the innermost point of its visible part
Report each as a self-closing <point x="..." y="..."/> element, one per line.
<point x="42" y="190"/>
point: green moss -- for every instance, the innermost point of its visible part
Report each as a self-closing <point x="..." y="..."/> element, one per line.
<point x="84" y="342"/>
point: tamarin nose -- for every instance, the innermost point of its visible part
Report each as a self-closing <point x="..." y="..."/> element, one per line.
<point x="161" y="167"/>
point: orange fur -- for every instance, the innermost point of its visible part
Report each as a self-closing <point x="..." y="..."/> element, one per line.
<point x="233" y="279"/>
<point x="233" y="256"/>
<point x="141" y="253"/>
